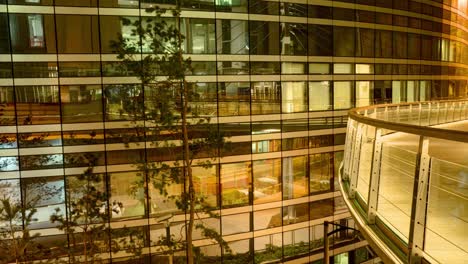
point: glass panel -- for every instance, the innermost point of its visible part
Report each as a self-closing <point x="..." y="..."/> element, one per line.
<point x="265" y="97"/>
<point x="267" y="180"/>
<point x="232" y="36"/>
<point x="292" y="68"/>
<point x="264" y="37"/>
<point x="123" y="102"/>
<point x="235" y="6"/>
<point x="240" y="252"/>
<point x="270" y="218"/>
<point x="398" y="165"/>
<point x="296" y="242"/>
<point x="126" y="189"/>
<point x="32" y="33"/>
<point x="365" y="161"/>
<point x="234" y="99"/>
<point x="266" y="7"/>
<point x="37" y="104"/>
<point x="81" y="103"/>
<point x="77" y="34"/>
<point x="234" y="224"/>
<point x="205" y="181"/>
<point x="343" y="41"/>
<point x="296" y="213"/>
<point x="233" y="67"/>
<point x="265" y="67"/>
<point x="294" y="97"/>
<point x="200" y="35"/>
<point x="342" y="95"/>
<point x="293" y="39"/>
<point x="7" y="101"/>
<point x="80" y="69"/>
<point x="320" y="209"/>
<point x="44" y="139"/>
<point x="294" y="177"/>
<point x="319" y="96"/>
<point x="445" y="236"/>
<point x="4" y="34"/>
<point x="320" y="172"/>
<point x="363" y="93"/>
<point x="343" y="68"/>
<point x="35" y="69"/>
<point x="268" y="248"/>
<point x="319" y="68"/>
<point x="320" y="40"/>
<point x="45" y="195"/>
<point x="235" y="183"/>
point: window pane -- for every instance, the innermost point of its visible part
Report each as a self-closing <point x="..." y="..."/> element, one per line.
<point x="321" y="172"/>
<point x="270" y="218"/>
<point x="233" y="67"/>
<point x="80" y="69"/>
<point x="125" y="189"/>
<point x="343" y="41"/>
<point x="235" y="184"/>
<point x="342" y="95"/>
<point x="239" y="6"/>
<point x="267" y="180"/>
<point x="45" y="195"/>
<point x="383" y="44"/>
<point x="77" y="34"/>
<point x="234" y="99"/>
<point x="234" y="224"/>
<point x="343" y="68"/>
<point x="363" y="93"/>
<point x="4" y="35"/>
<point x="319" y="96"/>
<point x="206" y="184"/>
<point x="294" y="97"/>
<point x="292" y="68"/>
<point x="293" y="39"/>
<point x="200" y="35"/>
<point x="123" y="102"/>
<point x="265" y="97"/>
<point x="365" y="42"/>
<point x="37" y="104"/>
<point x="81" y="103"/>
<point x="320" y="40"/>
<point x="294" y="177"/>
<point x="232" y="36"/>
<point x="266" y="7"/>
<point x="264" y="38"/>
<point x="7" y="99"/>
<point x="32" y="33"/>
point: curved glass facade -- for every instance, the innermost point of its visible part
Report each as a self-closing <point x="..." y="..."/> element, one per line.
<point x="277" y="77"/>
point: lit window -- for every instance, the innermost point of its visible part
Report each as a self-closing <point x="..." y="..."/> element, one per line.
<point x="36" y="30"/>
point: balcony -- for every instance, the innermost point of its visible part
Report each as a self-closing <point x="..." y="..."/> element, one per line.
<point x="405" y="180"/>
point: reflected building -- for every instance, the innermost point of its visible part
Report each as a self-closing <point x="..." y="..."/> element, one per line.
<point x="277" y="77"/>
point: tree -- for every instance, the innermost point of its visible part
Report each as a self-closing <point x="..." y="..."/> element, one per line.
<point x="178" y="131"/>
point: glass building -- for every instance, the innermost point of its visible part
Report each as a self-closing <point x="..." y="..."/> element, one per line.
<point x="277" y="77"/>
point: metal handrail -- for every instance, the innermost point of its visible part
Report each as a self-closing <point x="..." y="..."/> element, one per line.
<point x="433" y="132"/>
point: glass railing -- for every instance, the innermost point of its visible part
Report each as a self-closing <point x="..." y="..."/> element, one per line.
<point x="405" y="179"/>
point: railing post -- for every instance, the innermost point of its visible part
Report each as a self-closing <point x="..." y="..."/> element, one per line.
<point x="419" y="113"/>
<point x="419" y="206"/>
<point x="375" y="177"/>
<point x="355" y="161"/>
<point x="429" y="113"/>
<point x="438" y="113"/>
<point x="348" y="148"/>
